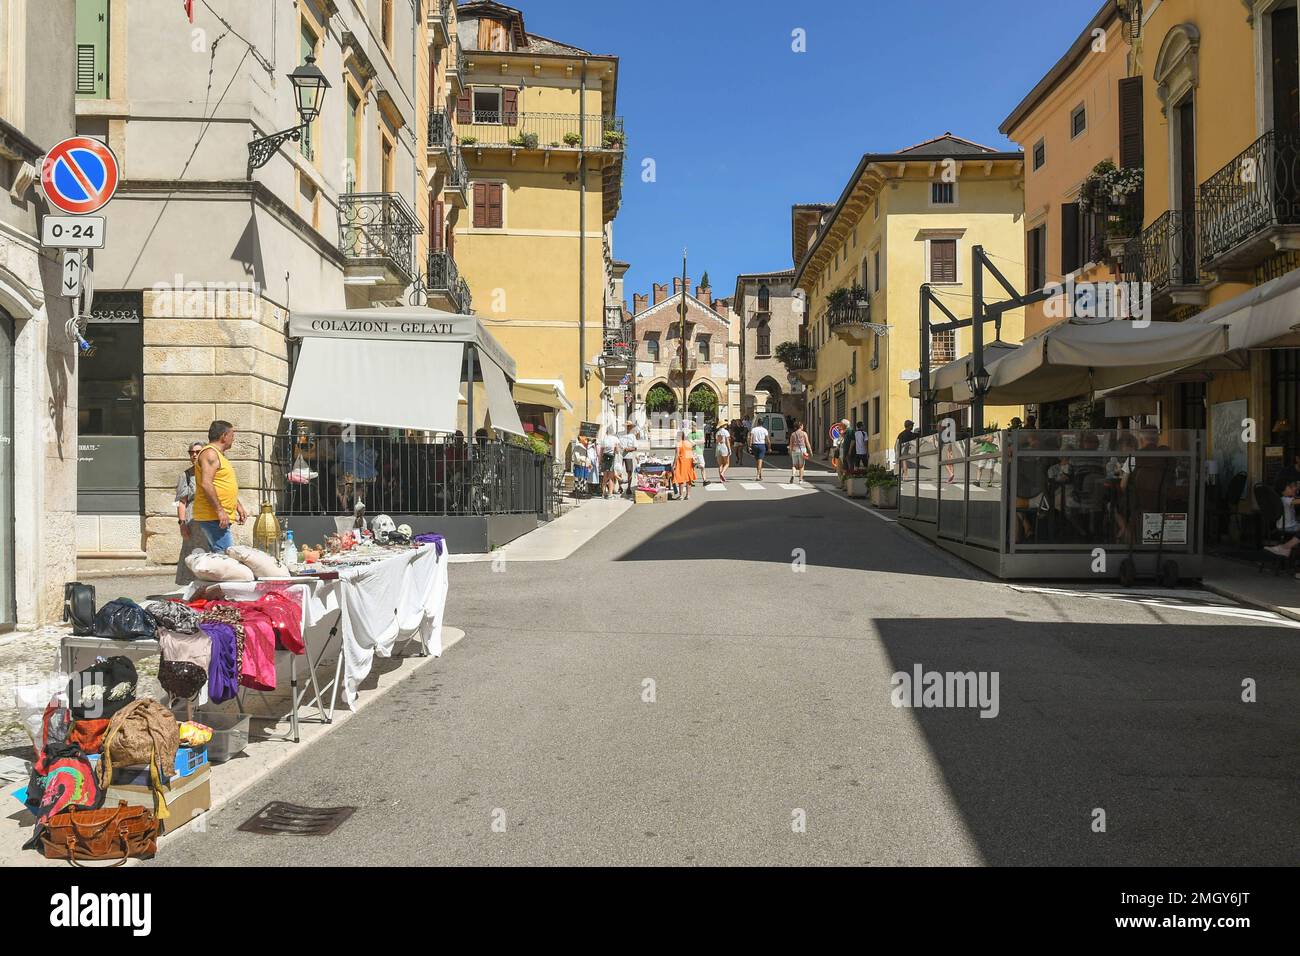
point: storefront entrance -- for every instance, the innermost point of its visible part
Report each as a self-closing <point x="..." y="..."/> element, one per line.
<point x="8" y="611"/>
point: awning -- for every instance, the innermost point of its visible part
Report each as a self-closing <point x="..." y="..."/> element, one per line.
<point x="1082" y="358"/>
<point x="547" y="392"/>
<point x="946" y="376"/>
<point x="374" y="383"/>
<point x="501" y="406"/>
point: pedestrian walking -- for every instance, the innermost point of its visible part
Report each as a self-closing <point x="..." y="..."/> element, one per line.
<point x="216" y="499"/>
<point x="722" y="450"/>
<point x="758" y="439"/>
<point x="738" y="438"/>
<point x="627" y="448"/>
<point x="861" y="450"/>
<point x="608" y="454"/>
<point x="191" y="535"/>
<point x="696" y="435"/>
<point x="800" y="450"/>
<point x="684" y="466"/>
<point x="904" y="437"/>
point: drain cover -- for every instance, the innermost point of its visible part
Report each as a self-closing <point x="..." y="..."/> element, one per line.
<point x="279" y="817"/>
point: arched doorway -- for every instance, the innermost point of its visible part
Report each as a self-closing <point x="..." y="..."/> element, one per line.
<point x="703" y="399"/>
<point x="768" y="393"/>
<point x="659" y="397"/>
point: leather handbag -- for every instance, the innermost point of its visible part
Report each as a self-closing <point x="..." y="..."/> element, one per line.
<point x="118" y="834"/>
<point x="79" y="607"/>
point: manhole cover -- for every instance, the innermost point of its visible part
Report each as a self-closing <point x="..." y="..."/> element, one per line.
<point x="278" y="817"/>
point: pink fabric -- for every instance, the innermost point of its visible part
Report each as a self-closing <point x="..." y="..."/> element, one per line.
<point x="285" y="614"/>
<point x="257" y="669"/>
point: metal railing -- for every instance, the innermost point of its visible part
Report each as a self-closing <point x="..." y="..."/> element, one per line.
<point x="456" y="63"/>
<point x="801" y="359"/>
<point x="1109" y="222"/>
<point x="1165" y="253"/>
<point x="440" y="16"/>
<point x="445" y="278"/>
<point x="400" y="476"/>
<point x="458" y="176"/>
<point x="378" y="226"/>
<point x="853" y="312"/>
<point x="620" y="342"/>
<point x="524" y="130"/>
<point x="1257" y="190"/>
<point x="441" y="134"/>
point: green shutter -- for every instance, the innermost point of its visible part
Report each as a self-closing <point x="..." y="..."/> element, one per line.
<point x="92" y="49"/>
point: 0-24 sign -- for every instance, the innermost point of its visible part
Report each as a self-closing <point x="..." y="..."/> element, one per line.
<point x="72" y="232"/>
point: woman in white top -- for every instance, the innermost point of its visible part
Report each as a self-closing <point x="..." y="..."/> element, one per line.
<point x="722" y="450"/>
<point x="799" y="452"/>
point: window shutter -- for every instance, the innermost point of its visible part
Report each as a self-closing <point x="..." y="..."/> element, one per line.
<point x="494" y="220"/>
<point x="465" y="106"/>
<point x="943" y="260"/>
<point x="92" y="49"/>
<point x="1069" y="237"/>
<point x="480" y="206"/>
<point x="1130" y="123"/>
<point x="510" y="106"/>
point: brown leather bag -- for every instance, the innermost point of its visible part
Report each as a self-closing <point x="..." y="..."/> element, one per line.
<point x="89" y="835"/>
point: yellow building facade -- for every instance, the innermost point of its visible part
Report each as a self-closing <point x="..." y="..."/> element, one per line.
<point x="535" y="124"/>
<point x="904" y="219"/>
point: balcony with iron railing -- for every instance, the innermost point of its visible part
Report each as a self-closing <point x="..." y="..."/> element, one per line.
<point x="1110" y="226"/>
<point x="456" y="186"/>
<point x="444" y="282"/>
<point x="498" y="128"/>
<point x="377" y="236"/>
<point x="801" y="362"/>
<point x="618" y="343"/>
<point x="442" y="136"/>
<point x="849" y="315"/>
<point x="439" y="22"/>
<point x="1250" y="209"/>
<point x="456" y="66"/>
<point x="1165" y="258"/>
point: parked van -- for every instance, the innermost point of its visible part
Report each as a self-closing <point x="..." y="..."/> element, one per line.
<point x="776" y="428"/>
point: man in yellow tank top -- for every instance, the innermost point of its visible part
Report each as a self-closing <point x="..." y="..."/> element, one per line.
<point x="216" y="501"/>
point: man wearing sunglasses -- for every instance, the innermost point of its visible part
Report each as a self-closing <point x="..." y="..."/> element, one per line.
<point x="191" y="537"/>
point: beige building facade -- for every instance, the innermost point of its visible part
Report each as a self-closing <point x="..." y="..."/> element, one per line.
<point x="768" y="314"/>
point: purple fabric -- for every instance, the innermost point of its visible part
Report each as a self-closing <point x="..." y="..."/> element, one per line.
<point x="223" y="672"/>
<point x="436" y="540"/>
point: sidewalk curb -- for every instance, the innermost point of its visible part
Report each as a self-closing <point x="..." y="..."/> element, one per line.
<point x="1249" y="602"/>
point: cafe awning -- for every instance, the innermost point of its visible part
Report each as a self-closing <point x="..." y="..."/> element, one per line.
<point x="946" y="376"/>
<point x="396" y="367"/>
<point x="1074" y="359"/>
<point x="546" y="392"/>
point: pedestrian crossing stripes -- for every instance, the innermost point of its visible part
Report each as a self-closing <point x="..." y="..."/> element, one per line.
<point x="751" y="486"/>
<point x="715" y="486"/>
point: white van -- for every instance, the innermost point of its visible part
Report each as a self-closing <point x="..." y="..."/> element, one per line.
<point x="779" y="435"/>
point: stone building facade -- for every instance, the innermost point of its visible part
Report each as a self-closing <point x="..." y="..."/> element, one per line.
<point x="767" y="312"/>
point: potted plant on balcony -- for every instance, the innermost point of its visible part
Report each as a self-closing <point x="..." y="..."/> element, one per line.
<point x="613" y="139"/>
<point x="526" y="140"/>
<point x="572" y="139"/>
<point x="789" y="354"/>
<point x="468" y="140"/>
<point x="1112" y="190"/>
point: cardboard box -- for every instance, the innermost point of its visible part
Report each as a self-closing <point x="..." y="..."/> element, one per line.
<point x="188" y="760"/>
<point x="186" y="797"/>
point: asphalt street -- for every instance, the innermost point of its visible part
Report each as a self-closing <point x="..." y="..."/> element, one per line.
<point x="709" y="682"/>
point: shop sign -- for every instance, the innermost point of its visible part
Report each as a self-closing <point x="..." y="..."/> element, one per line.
<point x="588" y="430"/>
<point x="1174" y="525"/>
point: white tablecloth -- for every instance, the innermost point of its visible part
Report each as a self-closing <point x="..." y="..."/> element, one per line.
<point x="403" y="595"/>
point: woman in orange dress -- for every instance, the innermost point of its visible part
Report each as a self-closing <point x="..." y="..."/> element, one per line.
<point x="684" y="466"/>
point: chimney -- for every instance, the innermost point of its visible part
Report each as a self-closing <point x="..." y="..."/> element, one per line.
<point x="640" y="303"/>
<point x="721" y="306"/>
<point x="705" y="295"/>
<point x="661" y="292"/>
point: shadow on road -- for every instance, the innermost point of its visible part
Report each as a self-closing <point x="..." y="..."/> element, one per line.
<point x="1145" y="722"/>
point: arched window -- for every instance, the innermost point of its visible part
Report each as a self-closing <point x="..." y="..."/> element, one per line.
<point x="764" y="299"/>
<point x="652" y="348"/>
<point x="764" y="338"/>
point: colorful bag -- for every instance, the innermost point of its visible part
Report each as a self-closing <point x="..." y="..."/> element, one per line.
<point x="65" y="778"/>
<point x="88" y="735"/>
<point x="143" y="732"/>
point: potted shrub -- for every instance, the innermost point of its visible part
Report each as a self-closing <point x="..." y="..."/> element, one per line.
<point x="884" y="492"/>
<point x="526" y="140"/>
<point x="856" y="482"/>
<point x="468" y="140"/>
<point x="572" y="139"/>
<point x="613" y="139"/>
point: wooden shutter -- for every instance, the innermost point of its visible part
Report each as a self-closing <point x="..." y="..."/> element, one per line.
<point x="494" y="220"/>
<point x="480" y="205"/>
<point x="92" y="49"/>
<point x="1130" y="123"/>
<point x="439" y="222"/>
<point x="1069" y="238"/>
<point x="510" y="106"/>
<point x="465" y="106"/>
<point x="943" y="260"/>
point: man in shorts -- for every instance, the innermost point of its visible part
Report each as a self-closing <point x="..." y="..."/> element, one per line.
<point x="696" y="434"/>
<point x="758" y="439"/>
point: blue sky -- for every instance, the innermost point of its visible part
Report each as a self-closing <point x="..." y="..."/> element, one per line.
<point x="740" y="127"/>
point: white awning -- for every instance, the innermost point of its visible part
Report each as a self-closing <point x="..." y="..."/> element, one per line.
<point x="501" y="406"/>
<point x="547" y="392"/>
<point x="388" y="383"/>
<point x="1264" y="316"/>
<point x="1078" y="359"/>
<point x="946" y="376"/>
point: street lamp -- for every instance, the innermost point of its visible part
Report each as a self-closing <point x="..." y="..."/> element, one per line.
<point x="309" y="86"/>
<point x="978" y="382"/>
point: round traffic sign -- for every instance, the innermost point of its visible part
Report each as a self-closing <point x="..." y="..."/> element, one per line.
<point x="837" y="432"/>
<point x="79" y="175"/>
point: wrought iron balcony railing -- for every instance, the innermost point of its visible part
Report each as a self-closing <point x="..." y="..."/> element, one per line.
<point x="1257" y="191"/>
<point x="378" y="226"/>
<point x="620" y="342"/>
<point x="458" y="177"/>
<point x="1165" y="253"/>
<point x="801" y="359"/>
<point x="444" y="278"/>
<point x="1110" y="222"/>
<point x="856" y="310"/>
<point x="521" y="130"/>
<point x="456" y="63"/>
<point x="441" y="135"/>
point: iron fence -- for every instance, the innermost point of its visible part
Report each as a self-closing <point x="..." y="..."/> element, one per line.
<point x="801" y="359"/>
<point x="620" y="342"/>
<point x="440" y="129"/>
<point x="497" y="127"/>
<point x="848" y="313"/>
<point x="458" y="177"/>
<point x="1165" y="253"/>
<point x="378" y="226"/>
<point x="444" y="277"/>
<point x="324" y="474"/>
<point x="1257" y="190"/>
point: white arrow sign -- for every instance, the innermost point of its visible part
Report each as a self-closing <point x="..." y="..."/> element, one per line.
<point x="71" y="277"/>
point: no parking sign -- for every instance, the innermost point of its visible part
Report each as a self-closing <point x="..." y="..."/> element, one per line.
<point x="79" y="175"/>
